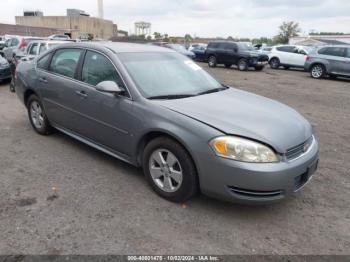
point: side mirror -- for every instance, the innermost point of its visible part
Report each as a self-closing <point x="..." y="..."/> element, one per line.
<point x="109" y="87"/>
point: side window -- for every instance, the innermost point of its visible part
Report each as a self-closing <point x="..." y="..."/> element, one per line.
<point x="65" y="61"/>
<point x="33" y="49"/>
<point x="288" y="49"/>
<point x="14" y="42"/>
<point x="332" y="51"/>
<point x="347" y="53"/>
<point x="98" y="68"/>
<point x="42" y="48"/>
<point x="43" y="63"/>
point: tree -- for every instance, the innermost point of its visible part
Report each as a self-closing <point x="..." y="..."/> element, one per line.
<point x="157" y="35"/>
<point x="286" y="31"/>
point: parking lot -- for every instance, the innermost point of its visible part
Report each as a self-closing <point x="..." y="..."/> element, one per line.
<point x="59" y="196"/>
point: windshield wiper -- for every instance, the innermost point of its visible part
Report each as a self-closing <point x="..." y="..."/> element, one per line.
<point x="178" y="96"/>
<point x="213" y="90"/>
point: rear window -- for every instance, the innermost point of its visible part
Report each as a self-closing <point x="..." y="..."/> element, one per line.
<point x="332" y="51"/>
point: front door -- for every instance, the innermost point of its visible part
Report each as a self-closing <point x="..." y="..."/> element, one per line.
<point x="105" y="118"/>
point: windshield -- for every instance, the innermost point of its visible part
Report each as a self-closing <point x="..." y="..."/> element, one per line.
<point x="244" y="46"/>
<point x="167" y="74"/>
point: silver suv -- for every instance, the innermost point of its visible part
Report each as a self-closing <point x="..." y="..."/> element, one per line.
<point x="333" y="61"/>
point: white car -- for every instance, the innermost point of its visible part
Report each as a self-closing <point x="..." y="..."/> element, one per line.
<point x="288" y="56"/>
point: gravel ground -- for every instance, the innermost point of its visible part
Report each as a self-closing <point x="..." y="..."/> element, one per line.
<point x="58" y="196"/>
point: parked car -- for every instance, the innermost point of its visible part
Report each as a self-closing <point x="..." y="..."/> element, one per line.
<point x="17" y="45"/>
<point x="196" y="45"/>
<point x="2" y="42"/>
<point x="288" y="56"/>
<point x="157" y="109"/>
<point x="5" y="72"/>
<point x="36" y="48"/>
<point x="231" y="53"/>
<point x="181" y="49"/>
<point x="199" y="52"/>
<point x="333" y="61"/>
<point x="265" y="50"/>
<point x="59" y="37"/>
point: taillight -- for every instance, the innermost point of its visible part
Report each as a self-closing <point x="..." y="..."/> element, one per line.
<point x="22" y="44"/>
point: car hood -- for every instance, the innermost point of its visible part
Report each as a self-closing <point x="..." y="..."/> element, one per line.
<point x="237" y="112"/>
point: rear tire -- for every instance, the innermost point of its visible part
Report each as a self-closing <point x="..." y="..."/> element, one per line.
<point x="242" y="65"/>
<point x="317" y="71"/>
<point x="275" y="63"/>
<point x="169" y="170"/>
<point x="37" y="116"/>
<point x="212" y="62"/>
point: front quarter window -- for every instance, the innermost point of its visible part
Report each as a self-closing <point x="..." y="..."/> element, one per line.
<point x="43" y="62"/>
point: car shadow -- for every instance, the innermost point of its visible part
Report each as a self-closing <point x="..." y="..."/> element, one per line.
<point x="5" y="82"/>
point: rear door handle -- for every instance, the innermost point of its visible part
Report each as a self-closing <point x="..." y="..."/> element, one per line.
<point x="81" y="93"/>
<point x="43" y="80"/>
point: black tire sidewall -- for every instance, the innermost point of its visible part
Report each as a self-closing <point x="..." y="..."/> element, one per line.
<point x="46" y="128"/>
<point x="189" y="185"/>
<point x="275" y="65"/>
<point x="215" y="61"/>
<point x="242" y="60"/>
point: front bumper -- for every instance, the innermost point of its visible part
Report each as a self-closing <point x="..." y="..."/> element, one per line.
<point x="256" y="183"/>
<point x="257" y="62"/>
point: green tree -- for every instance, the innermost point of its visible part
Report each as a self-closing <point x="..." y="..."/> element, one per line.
<point x="286" y="31"/>
<point x="157" y="35"/>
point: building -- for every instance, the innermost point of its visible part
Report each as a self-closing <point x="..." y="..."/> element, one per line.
<point x="7" y="29"/>
<point x="77" y="24"/>
<point x="319" y="40"/>
<point x="76" y="12"/>
<point x="33" y="13"/>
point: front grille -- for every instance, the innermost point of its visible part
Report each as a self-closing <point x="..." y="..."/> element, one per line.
<point x="255" y="194"/>
<point x="263" y="58"/>
<point x="298" y="150"/>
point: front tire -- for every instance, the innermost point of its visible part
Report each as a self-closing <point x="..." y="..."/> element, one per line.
<point x="242" y="65"/>
<point x="169" y="170"/>
<point x="37" y="116"/>
<point x="275" y="63"/>
<point x="317" y="71"/>
<point x="212" y="61"/>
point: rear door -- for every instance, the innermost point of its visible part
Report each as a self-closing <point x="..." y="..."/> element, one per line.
<point x="58" y="85"/>
<point x="285" y="54"/>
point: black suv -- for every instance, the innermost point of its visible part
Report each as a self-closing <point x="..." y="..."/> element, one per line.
<point x="232" y="53"/>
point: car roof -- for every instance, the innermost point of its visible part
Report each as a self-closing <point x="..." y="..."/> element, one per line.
<point x="119" y="47"/>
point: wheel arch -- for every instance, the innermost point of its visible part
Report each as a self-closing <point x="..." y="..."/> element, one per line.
<point x="27" y="94"/>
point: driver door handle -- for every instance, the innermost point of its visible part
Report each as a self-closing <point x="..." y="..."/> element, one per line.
<point x="83" y="94"/>
<point x="43" y="80"/>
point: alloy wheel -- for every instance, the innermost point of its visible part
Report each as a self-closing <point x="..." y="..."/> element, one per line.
<point x="165" y="170"/>
<point x="36" y="114"/>
<point x="317" y="71"/>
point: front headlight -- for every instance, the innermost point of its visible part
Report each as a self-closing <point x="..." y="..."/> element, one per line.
<point x="242" y="149"/>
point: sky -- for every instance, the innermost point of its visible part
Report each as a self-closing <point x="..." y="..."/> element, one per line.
<point x="205" y="18"/>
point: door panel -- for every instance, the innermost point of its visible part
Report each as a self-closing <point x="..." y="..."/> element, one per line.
<point x="103" y="118"/>
<point x="57" y="87"/>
